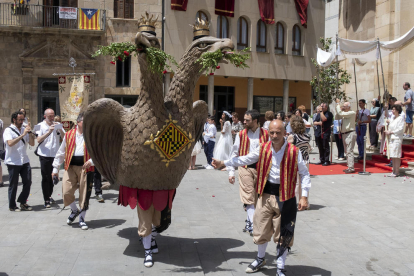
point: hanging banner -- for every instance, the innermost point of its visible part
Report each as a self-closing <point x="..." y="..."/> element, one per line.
<point x="225" y="8"/>
<point x="68" y="13"/>
<point x="267" y="11"/>
<point x="73" y="96"/>
<point x="179" y="5"/>
<point x="302" y="9"/>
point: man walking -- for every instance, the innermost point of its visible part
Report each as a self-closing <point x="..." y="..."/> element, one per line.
<point x="210" y="141"/>
<point x="48" y="144"/>
<point x="16" y="138"/>
<point x="409" y="109"/>
<point x="347" y="132"/>
<point x="324" y="123"/>
<point x="97" y="182"/>
<point x="363" y="118"/>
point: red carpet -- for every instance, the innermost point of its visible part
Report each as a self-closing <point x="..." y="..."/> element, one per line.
<point x="337" y="168"/>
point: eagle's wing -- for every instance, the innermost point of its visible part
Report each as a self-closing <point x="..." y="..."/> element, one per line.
<point x="200" y="112"/>
<point x="103" y="134"/>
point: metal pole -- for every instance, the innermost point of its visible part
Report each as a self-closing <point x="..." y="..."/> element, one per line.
<point x="382" y="69"/>
<point x="356" y="88"/>
<point x="379" y="88"/>
<point x="337" y="85"/>
<point x="365" y="154"/>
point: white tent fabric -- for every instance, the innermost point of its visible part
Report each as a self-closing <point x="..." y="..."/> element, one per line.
<point x="363" y="51"/>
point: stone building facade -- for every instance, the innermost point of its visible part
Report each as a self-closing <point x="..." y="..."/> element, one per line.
<point x="32" y="51"/>
<point x="386" y="20"/>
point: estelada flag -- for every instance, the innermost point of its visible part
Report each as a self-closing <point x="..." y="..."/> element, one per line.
<point x="89" y="19"/>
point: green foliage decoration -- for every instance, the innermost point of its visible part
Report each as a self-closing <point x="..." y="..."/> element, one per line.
<point x="324" y="83"/>
<point x="210" y="60"/>
<point x="157" y="59"/>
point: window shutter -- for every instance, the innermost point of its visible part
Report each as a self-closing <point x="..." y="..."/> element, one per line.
<point x="129" y="9"/>
<point x="119" y="8"/>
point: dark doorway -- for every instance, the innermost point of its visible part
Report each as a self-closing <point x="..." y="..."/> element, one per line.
<point x="223" y="100"/>
<point x="48" y="97"/>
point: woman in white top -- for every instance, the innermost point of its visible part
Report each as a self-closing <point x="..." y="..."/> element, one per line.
<point x="395" y="134"/>
<point x="222" y="151"/>
<point x="269" y="116"/>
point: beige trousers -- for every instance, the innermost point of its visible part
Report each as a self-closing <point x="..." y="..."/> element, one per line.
<point x="349" y="144"/>
<point x="147" y="219"/>
<point x="71" y="178"/>
<point x="247" y="182"/>
<point x="266" y="220"/>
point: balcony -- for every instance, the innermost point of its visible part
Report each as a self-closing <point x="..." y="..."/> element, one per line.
<point x="51" y="17"/>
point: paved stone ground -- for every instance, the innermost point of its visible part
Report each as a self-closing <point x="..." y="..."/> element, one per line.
<point x="357" y="225"/>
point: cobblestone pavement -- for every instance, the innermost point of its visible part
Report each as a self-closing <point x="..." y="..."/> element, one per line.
<point x="357" y="225"/>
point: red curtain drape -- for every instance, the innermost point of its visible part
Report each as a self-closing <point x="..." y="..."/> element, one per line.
<point x="302" y="9"/>
<point x="179" y="5"/>
<point x="225" y="7"/>
<point x="267" y="11"/>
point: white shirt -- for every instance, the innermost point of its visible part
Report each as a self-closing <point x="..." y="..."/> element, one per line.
<point x="60" y="155"/>
<point x="211" y="133"/>
<point x="288" y="128"/>
<point x="49" y="146"/>
<point x="17" y="154"/>
<point x="363" y="114"/>
<point x="274" y="175"/>
<point x="402" y="115"/>
<point x="205" y="137"/>
<point x="254" y="139"/>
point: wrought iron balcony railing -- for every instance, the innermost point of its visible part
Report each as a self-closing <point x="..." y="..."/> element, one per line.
<point x="51" y="17"/>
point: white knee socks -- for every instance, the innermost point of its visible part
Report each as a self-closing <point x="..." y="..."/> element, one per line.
<point x="73" y="206"/>
<point x="82" y="216"/>
<point x="282" y="259"/>
<point x="146" y="242"/>
<point x="250" y="212"/>
<point x="261" y="250"/>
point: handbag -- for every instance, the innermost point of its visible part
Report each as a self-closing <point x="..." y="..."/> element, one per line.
<point x="35" y="152"/>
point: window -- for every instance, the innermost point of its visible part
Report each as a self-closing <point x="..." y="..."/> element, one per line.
<point x="242" y="33"/>
<point x="124" y="8"/>
<point x="296" y="41"/>
<point x="123" y="73"/>
<point x="261" y="37"/>
<point x="202" y="16"/>
<point x="126" y="101"/>
<point x="271" y="103"/>
<point x="222" y="27"/>
<point x="280" y="39"/>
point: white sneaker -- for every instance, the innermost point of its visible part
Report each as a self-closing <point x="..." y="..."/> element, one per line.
<point x="148" y="262"/>
<point x="209" y="167"/>
<point x="83" y="225"/>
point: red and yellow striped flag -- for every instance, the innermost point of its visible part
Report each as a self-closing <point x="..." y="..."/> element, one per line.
<point x="89" y="19"/>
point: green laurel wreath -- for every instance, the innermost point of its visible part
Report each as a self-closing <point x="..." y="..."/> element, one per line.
<point x="210" y="60"/>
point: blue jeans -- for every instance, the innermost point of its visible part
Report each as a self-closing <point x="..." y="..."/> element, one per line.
<point x="360" y="139"/>
<point x="210" y="149"/>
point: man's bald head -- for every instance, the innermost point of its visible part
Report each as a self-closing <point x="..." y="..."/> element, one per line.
<point x="277" y="132"/>
<point x="49" y="115"/>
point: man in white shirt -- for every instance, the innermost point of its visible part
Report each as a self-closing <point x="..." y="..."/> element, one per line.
<point x="1" y="147"/>
<point x="48" y="144"/>
<point x="78" y="169"/>
<point x="210" y="141"/>
<point x="16" y="138"/>
<point x="248" y="140"/>
<point x="362" y="118"/>
<point x="276" y="207"/>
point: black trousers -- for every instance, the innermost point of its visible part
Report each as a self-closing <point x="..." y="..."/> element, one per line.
<point x="97" y="181"/>
<point x="25" y="171"/>
<point x="323" y="146"/>
<point x="46" y="169"/>
<point x="210" y="150"/>
<point x="340" y="146"/>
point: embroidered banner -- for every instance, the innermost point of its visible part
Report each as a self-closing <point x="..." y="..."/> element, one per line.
<point x="302" y="9"/>
<point x="267" y="11"/>
<point x="73" y="96"/>
<point x="89" y="19"/>
<point x="225" y="7"/>
<point x="179" y="5"/>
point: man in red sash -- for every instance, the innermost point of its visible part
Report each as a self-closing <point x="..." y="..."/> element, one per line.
<point x="78" y="169"/>
<point x="278" y="163"/>
<point x="248" y="140"/>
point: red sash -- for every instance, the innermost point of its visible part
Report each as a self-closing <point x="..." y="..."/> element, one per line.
<point x="245" y="141"/>
<point x="70" y="137"/>
<point x="288" y="170"/>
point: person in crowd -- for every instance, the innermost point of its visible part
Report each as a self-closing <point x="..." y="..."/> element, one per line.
<point x="305" y="116"/>
<point x="97" y="183"/>
<point x="298" y="112"/>
<point x="26" y="119"/>
<point x="1" y="147"/>
<point x="196" y="150"/>
<point x="269" y="116"/>
<point x="347" y="132"/>
<point x="276" y="204"/>
<point x="78" y="169"/>
<point x="409" y="109"/>
<point x="323" y="123"/>
<point x="236" y="125"/>
<point x="222" y="150"/>
<point x="281" y="116"/>
<point x="16" y="137"/>
<point x="210" y="141"/>
<point x="375" y="114"/>
<point x="248" y="141"/>
<point x="301" y="140"/>
<point x="48" y="139"/>
<point x="287" y="123"/>
<point x="205" y="138"/>
<point x="362" y="118"/>
<point x="338" y="138"/>
<point x="395" y="134"/>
